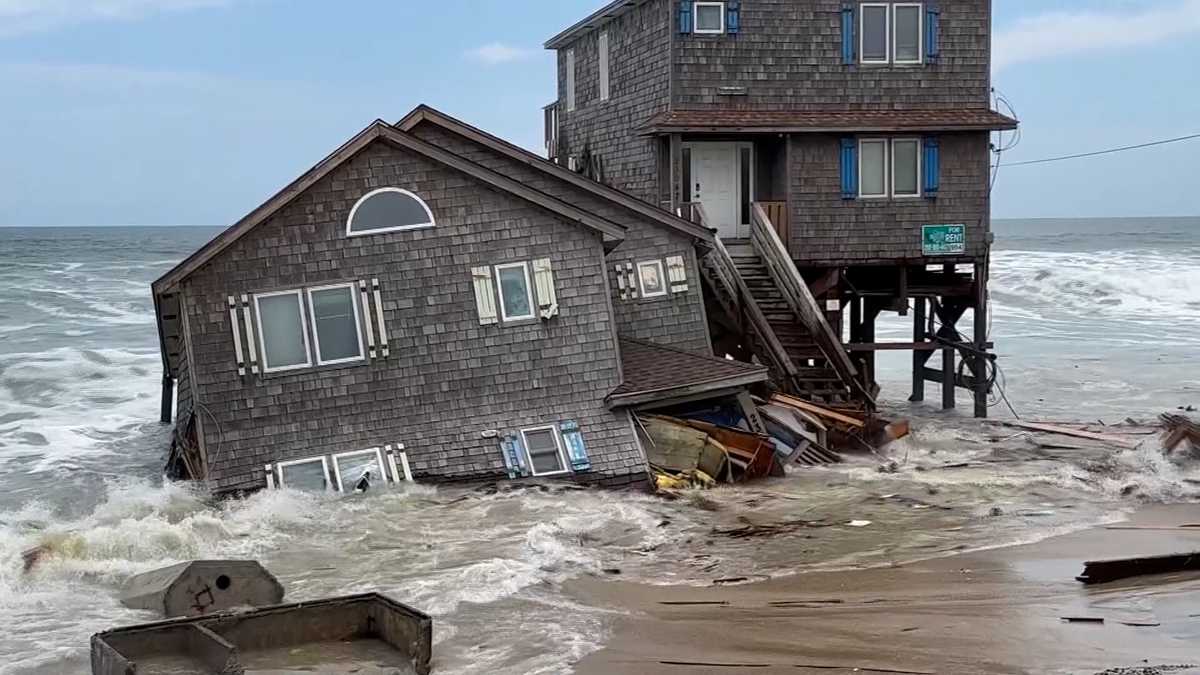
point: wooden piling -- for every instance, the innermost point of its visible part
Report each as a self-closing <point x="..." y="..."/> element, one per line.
<point x="919" y="358"/>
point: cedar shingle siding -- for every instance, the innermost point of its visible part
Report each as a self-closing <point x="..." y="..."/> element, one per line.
<point x="639" y="48"/>
<point x="448" y="379"/>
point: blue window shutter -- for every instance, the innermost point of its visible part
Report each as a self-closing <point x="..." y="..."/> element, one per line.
<point x="514" y="456"/>
<point x="933" y="29"/>
<point x="576" y="451"/>
<point x="849" y="51"/>
<point x="685" y="16"/>
<point x="733" y="17"/>
<point x="933" y="167"/>
<point x="849" y="168"/>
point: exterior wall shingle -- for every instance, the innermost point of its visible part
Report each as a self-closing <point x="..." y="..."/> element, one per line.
<point x="827" y="230"/>
<point x="448" y="379"/>
<point x="788" y="56"/>
<point x="677" y="320"/>
<point x="639" y="44"/>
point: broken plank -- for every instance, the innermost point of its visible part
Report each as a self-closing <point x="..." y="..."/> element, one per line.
<point x="818" y="410"/>
<point x="1103" y="571"/>
<point x="1121" y="441"/>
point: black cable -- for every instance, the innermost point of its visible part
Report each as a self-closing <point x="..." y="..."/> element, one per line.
<point x="1103" y="152"/>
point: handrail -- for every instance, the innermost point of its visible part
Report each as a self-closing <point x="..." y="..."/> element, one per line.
<point x="727" y="270"/>
<point x="779" y="264"/>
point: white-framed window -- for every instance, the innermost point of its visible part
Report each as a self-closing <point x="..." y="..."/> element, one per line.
<point x="602" y="49"/>
<point x="282" y="336"/>
<point x="516" y="291"/>
<point x="388" y="209"/>
<point x="874" y="26"/>
<point x="359" y="470"/>
<point x="906" y="167"/>
<point x="543" y="446"/>
<point x="891" y="33"/>
<point x="310" y="474"/>
<point x="872" y="168"/>
<point x="908" y="36"/>
<point x="570" y="84"/>
<point x="709" y="18"/>
<point x="336" y="327"/>
<point x="650" y="279"/>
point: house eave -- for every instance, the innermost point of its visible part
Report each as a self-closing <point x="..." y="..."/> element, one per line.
<point x="593" y="21"/>
<point x="691" y="390"/>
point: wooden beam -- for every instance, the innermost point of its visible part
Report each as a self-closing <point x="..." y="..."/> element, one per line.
<point x="919" y="345"/>
<point x="938" y="375"/>
<point x="903" y="295"/>
<point x="981" y="336"/>
<point x="817" y="410"/>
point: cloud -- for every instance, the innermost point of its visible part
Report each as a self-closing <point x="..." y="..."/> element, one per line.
<point x="496" y="53"/>
<point x="25" y="16"/>
<point x="1063" y="33"/>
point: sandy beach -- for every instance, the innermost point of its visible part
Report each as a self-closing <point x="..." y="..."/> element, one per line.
<point x="995" y="611"/>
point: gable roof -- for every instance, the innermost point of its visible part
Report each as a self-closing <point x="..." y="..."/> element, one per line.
<point x="380" y="130"/>
<point x="593" y="21"/>
<point x="653" y="372"/>
<point x="424" y="113"/>
<point x="787" y="121"/>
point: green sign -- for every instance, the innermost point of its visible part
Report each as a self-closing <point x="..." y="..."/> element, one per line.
<point x="944" y="239"/>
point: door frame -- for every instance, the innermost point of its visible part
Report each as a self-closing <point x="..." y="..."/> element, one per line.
<point x="743" y="229"/>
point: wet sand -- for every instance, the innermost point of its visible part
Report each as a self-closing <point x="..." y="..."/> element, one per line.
<point x="997" y="611"/>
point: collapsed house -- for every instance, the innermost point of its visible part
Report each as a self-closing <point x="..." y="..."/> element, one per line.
<point x="433" y="303"/>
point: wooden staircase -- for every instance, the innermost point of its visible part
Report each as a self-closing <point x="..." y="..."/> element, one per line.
<point x="758" y="287"/>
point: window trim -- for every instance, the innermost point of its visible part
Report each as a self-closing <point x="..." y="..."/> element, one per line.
<point x="604" y="56"/>
<point x="570" y="80"/>
<point x="862" y="33"/>
<point x="696" y="17"/>
<point x="312" y="323"/>
<point x="399" y="228"/>
<point x="920" y="34"/>
<point x="337" y="472"/>
<point x="262" y="334"/>
<point x="504" y="316"/>
<point x="861" y="184"/>
<point x="892" y="165"/>
<point x="661" y="278"/>
<point x="558" y="444"/>
<point x="280" y="466"/>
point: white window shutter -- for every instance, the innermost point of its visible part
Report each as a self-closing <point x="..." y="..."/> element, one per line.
<point x="677" y="274"/>
<point x="543" y="279"/>
<point x="485" y="295"/>
<point x="237" y="336"/>
<point x="621" y="282"/>
<point x="631" y="277"/>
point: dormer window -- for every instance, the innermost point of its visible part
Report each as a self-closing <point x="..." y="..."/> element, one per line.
<point x="388" y="210"/>
<point x="710" y="18"/>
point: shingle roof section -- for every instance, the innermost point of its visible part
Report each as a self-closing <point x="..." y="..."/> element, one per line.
<point x="654" y="369"/>
<point x="967" y="119"/>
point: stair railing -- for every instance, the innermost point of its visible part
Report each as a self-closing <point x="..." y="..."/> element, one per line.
<point x="795" y="291"/>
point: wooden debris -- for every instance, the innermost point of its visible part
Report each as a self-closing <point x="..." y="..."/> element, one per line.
<point x="1083" y="619"/>
<point x="819" y="411"/>
<point x="1113" y="439"/>
<point x="754" y="530"/>
<point x="1104" y="571"/>
<point x="1178" y="430"/>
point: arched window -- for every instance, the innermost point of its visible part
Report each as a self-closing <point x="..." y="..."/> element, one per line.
<point x="388" y="210"/>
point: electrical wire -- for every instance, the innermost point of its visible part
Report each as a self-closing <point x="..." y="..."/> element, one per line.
<point x="1097" y="153"/>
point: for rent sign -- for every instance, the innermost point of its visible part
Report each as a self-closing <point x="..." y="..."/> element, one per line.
<point x="944" y="239"/>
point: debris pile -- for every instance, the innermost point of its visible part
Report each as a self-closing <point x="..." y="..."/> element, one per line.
<point x="1181" y="434"/>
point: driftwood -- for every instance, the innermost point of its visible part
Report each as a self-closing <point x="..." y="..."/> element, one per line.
<point x="1103" y="571"/>
<point x="1113" y="439"/>
<point x="1180" y="429"/>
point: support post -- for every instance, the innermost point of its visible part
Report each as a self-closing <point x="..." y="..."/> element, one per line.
<point x="981" y="339"/>
<point x="948" y="379"/>
<point x="919" y="358"/>
<point x="903" y="300"/>
<point x="866" y="334"/>
<point x="168" y="398"/>
<point x="678" y="194"/>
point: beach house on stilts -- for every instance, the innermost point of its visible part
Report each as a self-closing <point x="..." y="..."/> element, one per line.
<point x="839" y="150"/>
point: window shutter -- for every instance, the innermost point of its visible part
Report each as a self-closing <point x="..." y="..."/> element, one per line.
<point x="514" y="456"/>
<point x="251" y="338"/>
<point x="849" y="168"/>
<point x="677" y="274"/>
<point x="933" y="167"/>
<point x="685" y="16"/>
<point x="543" y="280"/>
<point x="849" y="51"/>
<point x="384" y="350"/>
<point x="485" y="295"/>
<point x="631" y="278"/>
<point x="365" y="299"/>
<point x="733" y="16"/>
<point x="933" y="27"/>
<point x="237" y="336"/>
<point x="576" y="452"/>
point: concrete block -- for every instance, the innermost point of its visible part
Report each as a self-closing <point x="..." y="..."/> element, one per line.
<point x="202" y="587"/>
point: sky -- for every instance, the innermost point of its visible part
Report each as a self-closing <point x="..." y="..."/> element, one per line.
<point x="193" y="112"/>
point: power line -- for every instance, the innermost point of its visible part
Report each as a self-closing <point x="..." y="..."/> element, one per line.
<point x="1106" y="152"/>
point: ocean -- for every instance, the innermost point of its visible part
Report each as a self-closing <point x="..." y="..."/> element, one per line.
<point x="1093" y="320"/>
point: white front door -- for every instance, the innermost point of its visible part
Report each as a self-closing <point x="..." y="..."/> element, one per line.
<point x="717" y="185"/>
